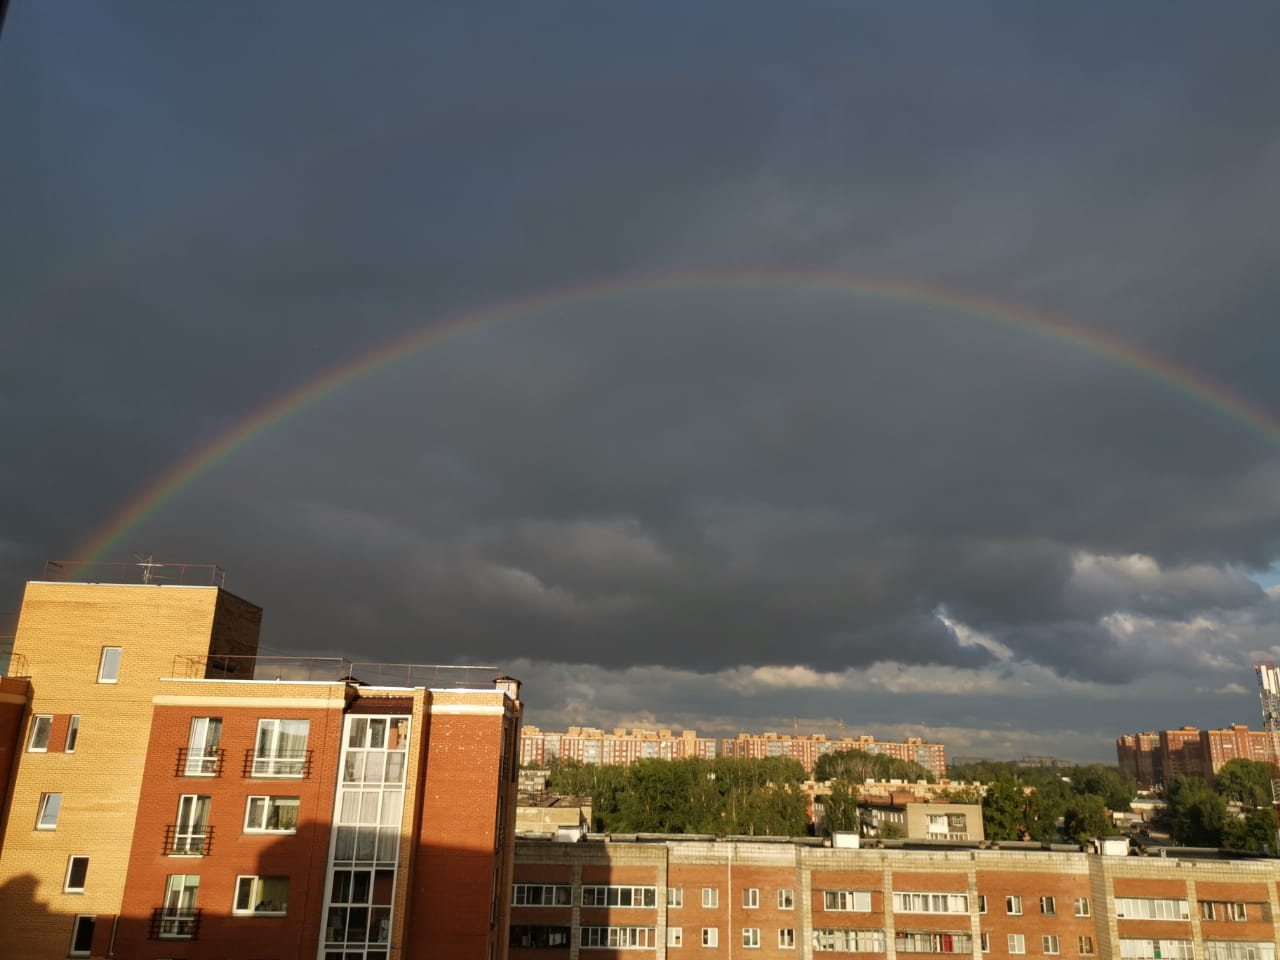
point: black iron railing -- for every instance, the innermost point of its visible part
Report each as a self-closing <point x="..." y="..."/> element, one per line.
<point x="200" y="763"/>
<point x="173" y="923"/>
<point x="184" y="840"/>
<point x="281" y="765"/>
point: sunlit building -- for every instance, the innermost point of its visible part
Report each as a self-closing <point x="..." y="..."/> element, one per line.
<point x="618" y="747"/>
<point x="807" y="749"/>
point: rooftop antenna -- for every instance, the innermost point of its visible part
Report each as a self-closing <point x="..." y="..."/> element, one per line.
<point x="147" y="561"/>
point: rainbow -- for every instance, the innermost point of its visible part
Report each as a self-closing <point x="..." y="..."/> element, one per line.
<point x="1153" y="367"/>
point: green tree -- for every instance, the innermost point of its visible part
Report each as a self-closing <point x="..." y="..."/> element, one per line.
<point x="1116" y="789"/>
<point x="840" y="809"/>
<point x="1086" y="816"/>
<point x="1003" y="809"/>
<point x="1199" y="815"/>
<point x="1247" y="781"/>
<point x="858" y="766"/>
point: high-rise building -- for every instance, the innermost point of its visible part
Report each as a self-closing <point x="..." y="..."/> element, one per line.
<point x="807" y="749"/>
<point x="175" y="793"/>
<point x="1153" y="758"/>
<point x="619" y="747"/>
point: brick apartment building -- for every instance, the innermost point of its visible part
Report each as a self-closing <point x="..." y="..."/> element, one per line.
<point x="617" y="748"/>
<point x="758" y="898"/>
<point x="1153" y="758"/>
<point x="169" y="792"/>
<point x="807" y="749"/>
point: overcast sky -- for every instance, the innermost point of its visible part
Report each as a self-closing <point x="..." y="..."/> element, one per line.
<point x="718" y="506"/>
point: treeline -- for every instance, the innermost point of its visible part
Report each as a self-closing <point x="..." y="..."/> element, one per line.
<point x="1199" y="815"/>
<point x="723" y="796"/>
<point x="858" y="766"/>
<point x="1026" y="803"/>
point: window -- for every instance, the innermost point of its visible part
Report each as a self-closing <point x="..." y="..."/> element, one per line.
<point x="710" y="937"/>
<point x="710" y="898"/>
<point x="1013" y="906"/>
<point x="613" y="896"/>
<point x="1142" y="908"/>
<point x="1049" y="945"/>
<point x="202" y="747"/>
<point x="848" y="941"/>
<point x="930" y="903"/>
<point x="1084" y="946"/>
<point x="261" y="896"/>
<point x="751" y="938"/>
<point x="109" y="665"/>
<point x="616" y="937"/>
<point x="751" y="898"/>
<point x="178" y="915"/>
<point x="675" y="937"/>
<point x="82" y="936"/>
<point x="191" y="832"/>
<point x="924" y="942"/>
<point x="41" y="725"/>
<point x="281" y="748"/>
<point x="1239" y="950"/>
<point x="1048" y="906"/>
<point x="1016" y="944"/>
<point x="529" y="937"/>
<point x="1232" y="910"/>
<point x="852" y="901"/>
<point x="50" y="805"/>
<point x="1156" y="950"/>
<point x="73" y="732"/>
<point x="1082" y="906"/>
<point x="271" y="815"/>
<point x="982" y="903"/>
<point x="77" y="869"/>
<point x="675" y="896"/>
<point x="985" y="940"/>
<point x="787" y="939"/>
<point x="541" y="895"/>
<point x="786" y="899"/>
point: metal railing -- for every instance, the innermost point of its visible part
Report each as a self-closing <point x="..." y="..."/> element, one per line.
<point x="333" y="670"/>
<point x="187" y="842"/>
<point x="281" y="765"/>
<point x="173" y="923"/>
<point x="135" y="571"/>
<point x="200" y="763"/>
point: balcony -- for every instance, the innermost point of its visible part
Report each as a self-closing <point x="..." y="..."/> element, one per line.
<point x="207" y="763"/>
<point x="187" y="840"/>
<point x="281" y="765"/>
<point x="173" y="923"/>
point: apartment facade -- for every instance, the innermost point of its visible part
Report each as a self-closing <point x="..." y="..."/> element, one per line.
<point x="165" y="802"/>
<point x="619" y="747"/>
<point x="1153" y="758"/>
<point x="749" y="899"/>
<point x="807" y="749"/>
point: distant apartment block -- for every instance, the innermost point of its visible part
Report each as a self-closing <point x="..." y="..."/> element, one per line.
<point x="807" y="749"/>
<point x="617" y="748"/>
<point x="169" y="792"/>
<point x="1154" y="757"/>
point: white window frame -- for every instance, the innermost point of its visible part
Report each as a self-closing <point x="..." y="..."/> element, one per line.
<point x="71" y="863"/>
<point x="751" y="938"/>
<point x="48" y="812"/>
<point x="710" y="898"/>
<point x="711" y="936"/>
<point x="1050" y="945"/>
<point x="982" y="903"/>
<point x="190" y="827"/>
<point x="73" y="734"/>
<point x="940" y="901"/>
<point x="675" y="936"/>
<point x="202" y="756"/>
<point x="1151" y="908"/>
<point x="41" y="723"/>
<point x="548" y="895"/>
<point x="984" y="941"/>
<point x="177" y="916"/>
<point x="675" y="896"/>
<point x="1082" y="942"/>
<point x="1017" y="943"/>
<point x="267" y="759"/>
<point x="256" y="892"/>
<point x="1082" y="908"/>
<point x="1013" y="906"/>
<point x="268" y="803"/>
<point x="751" y="898"/>
<point x="75" y="929"/>
<point x="786" y="899"/>
<point x="622" y="896"/>
<point x="847" y="901"/>
<point x="1048" y="906"/>
<point x="109" y="664"/>
<point x="787" y="938"/>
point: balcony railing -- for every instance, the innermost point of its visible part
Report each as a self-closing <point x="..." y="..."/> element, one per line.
<point x="187" y="841"/>
<point x="173" y="923"/>
<point x="334" y="670"/>
<point x="140" y="571"/>
<point x="200" y="763"/>
<point x="281" y="765"/>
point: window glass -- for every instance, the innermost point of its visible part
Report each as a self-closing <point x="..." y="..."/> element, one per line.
<point x="77" y="871"/>
<point x="73" y="733"/>
<point x="109" y="665"/>
<point x="50" y="806"/>
<point x="82" y="936"/>
<point x="41" y="724"/>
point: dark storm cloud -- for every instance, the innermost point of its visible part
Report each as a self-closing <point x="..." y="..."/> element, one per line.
<point x="205" y="209"/>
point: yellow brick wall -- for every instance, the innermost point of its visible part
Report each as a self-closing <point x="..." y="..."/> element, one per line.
<point x="62" y="629"/>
